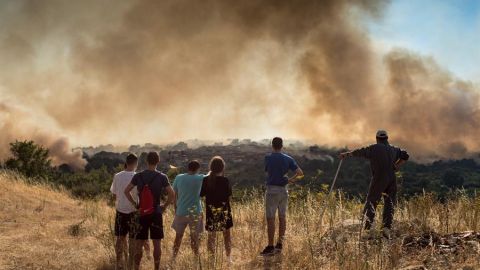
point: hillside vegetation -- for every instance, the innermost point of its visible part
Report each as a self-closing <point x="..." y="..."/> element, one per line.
<point x="245" y="169"/>
<point x="44" y="228"/>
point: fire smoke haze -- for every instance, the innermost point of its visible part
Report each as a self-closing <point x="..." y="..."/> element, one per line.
<point x="127" y="72"/>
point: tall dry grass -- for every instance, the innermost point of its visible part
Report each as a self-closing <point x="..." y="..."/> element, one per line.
<point x="41" y="228"/>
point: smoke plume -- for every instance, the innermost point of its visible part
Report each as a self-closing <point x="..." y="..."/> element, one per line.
<point x="127" y="72"/>
<point x="20" y="125"/>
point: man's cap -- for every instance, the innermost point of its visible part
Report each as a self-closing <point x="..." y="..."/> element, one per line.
<point x="382" y="134"/>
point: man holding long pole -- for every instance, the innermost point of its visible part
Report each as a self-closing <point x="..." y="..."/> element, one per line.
<point x="385" y="159"/>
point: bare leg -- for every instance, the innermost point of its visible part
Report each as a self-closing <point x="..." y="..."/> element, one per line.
<point x="120" y="248"/>
<point x="271" y="230"/>
<point x="227" y="238"/>
<point x="194" y="241"/>
<point x="212" y="237"/>
<point x="157" y="253"/>
<point x="138" y="252"/>
<point x="282" y="227"/>
<point x="176" y="244"/>
<point x="146" y="247"/>
<point x="131" y="253"/>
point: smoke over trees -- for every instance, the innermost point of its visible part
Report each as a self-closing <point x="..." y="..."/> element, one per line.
<point x="127" y="72"/>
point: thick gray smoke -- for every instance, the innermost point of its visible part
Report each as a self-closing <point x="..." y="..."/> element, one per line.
<point x="20" y="125"/>
<point x="441" y="112"/>
<point x="127" y="72"/>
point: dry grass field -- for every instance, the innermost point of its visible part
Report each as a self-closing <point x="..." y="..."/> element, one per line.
<point x="43" y="228"/>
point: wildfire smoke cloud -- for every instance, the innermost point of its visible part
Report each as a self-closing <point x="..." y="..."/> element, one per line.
<point x="128" y="72"/>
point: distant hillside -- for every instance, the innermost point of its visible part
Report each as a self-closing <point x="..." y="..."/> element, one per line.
<point x="245" y="163"/>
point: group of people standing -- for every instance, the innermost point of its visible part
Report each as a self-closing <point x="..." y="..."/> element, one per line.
<point x="140" y="209"/>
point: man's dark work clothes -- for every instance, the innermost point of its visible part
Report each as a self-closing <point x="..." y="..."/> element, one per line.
<point x="382" y="158"/>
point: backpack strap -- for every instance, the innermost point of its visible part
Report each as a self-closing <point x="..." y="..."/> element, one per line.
<point x="151" y="180"/>
<point x="145" y="183"/>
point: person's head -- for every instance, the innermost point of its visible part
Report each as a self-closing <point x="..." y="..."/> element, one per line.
<point x="193" y="166"/>
<point x="153" y="159"/>
<point x="131" y="162"/>
<point x="277" y="144"/>
<point x="382" y="136"/>
<point x="217" y="165"/>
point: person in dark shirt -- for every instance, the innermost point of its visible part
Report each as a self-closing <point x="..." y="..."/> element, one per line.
<point x="277" y="166"/>
<point x="217" y="191"/>
<point x="150" y="224"/>
<point x="385" y="159"/>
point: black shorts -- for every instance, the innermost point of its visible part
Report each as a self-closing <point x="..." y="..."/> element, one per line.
<point x="149" y="225"/>
<point x="123" y="224"/>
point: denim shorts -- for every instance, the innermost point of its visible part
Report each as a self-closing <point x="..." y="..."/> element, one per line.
<point x="276" y="198"/>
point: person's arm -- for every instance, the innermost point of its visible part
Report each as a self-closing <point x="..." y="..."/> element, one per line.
<point x="229" y="188"/>
<point x="345" y="155"/>
<point x="403" y="157"/>
<point x="170" y="198"/>
<point x="175" y="189"/>
<point x="399" y="163"/>
<point x="296" y="169"/>
<point x="361" y="152"/>
<point x="298" y="175"/>
<point x="266" y="163"/>
<point x="113" y="189"/>
<point x="203" y="190"/>
<point x="175" y="198"/>
<point x="127" y="191"/>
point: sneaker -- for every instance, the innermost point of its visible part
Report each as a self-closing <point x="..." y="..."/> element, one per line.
<point x="269" y="250"/>
<point x="278" y="247"/>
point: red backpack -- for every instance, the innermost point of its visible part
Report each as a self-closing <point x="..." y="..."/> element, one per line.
<point x="146" y="206"/>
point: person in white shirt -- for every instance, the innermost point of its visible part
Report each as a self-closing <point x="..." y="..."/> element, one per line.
<point x="125" y="210"/>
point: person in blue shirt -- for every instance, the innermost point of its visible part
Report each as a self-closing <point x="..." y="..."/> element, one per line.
<point x="188" y="208"/>
<point x="277" y="167"/>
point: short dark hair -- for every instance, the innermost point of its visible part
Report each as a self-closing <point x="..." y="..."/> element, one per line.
<point x="384" y="139"/>
<point x="193" y="165"/>
<point x="277" y="143"/>
<point x="131" y="159"/>
<point x="153" y="158"/>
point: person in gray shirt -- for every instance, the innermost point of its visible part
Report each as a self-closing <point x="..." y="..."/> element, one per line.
<point x="385" y="160"/>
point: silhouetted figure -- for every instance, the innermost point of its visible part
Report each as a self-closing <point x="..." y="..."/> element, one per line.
<point x="385" y="159"/>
